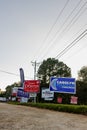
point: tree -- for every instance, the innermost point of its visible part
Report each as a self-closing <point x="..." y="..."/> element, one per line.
<point x="52" y="67"/>
<point x="81" y="92"/>
<point x="3" y="94"/>
<point x="82" y="74"/>
<point x="9" y="89"/>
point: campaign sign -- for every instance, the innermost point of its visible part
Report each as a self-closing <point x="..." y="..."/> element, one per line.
<point x="32" y="86"/>
<point x="63" y="85"/>
<point x="32" y="95"/>
<point x="59" y="99"/>
<point x="74" y="100"/>
<point x="14" y="91"/>
<point x="23" y="99"/>
<point x="48" y="99"/>
<point x="46" y="93"/>
<point x="21" y="93"/>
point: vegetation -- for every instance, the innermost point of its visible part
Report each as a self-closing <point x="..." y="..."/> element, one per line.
<point x="9" y="89"/>
<point x="52" y="67"/>
<point x="82" y="74"/>
<point x="3" y="94"/>
<point x="79" y="109"/>
<point x="81" y="92"/>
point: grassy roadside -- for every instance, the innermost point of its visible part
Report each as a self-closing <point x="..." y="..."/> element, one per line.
<point x="78" y="109"/>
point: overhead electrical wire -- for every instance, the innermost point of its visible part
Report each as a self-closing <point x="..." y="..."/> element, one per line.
<point x="61" y="53"/>
<point x="3" y="71"/>
<point x="51" y="41"/>
<point x="76" y="19"/>
<point x="72" y="20"/>
<point x="76" y="53"/>
<point x="8" y="72"/>
<point x="81" y="30"/>
<point x="62" y="10"/>
<point x="66" y="49"/>
<point x="56" y="20"/>
<point x="70" y="16"/>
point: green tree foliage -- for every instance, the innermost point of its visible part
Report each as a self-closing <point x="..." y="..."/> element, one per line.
<point x="82" y="74"/>
<point x="48" y="68"/>
<point x="9" y="89"/>
<point x="81" y="92"/>
<point x="3" y="94"/>
<point x="52" y="67"/>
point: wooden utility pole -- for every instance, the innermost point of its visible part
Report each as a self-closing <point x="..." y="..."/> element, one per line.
<point x="35" y="64"/>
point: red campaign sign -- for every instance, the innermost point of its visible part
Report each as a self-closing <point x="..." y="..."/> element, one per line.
<point x="74" y="100"/>
<point x="59" y="99"/>
<point x="32" y="86"/>
<point x="14" y="94"/>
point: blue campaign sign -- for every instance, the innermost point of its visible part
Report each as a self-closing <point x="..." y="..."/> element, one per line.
<point x="21" y="93"/>
<point x="63" y="85"/>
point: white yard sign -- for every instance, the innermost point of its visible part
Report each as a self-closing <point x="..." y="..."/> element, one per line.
<point x="46" y="93"/>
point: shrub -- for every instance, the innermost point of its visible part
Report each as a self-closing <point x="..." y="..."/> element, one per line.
<point x="79" y="109"/>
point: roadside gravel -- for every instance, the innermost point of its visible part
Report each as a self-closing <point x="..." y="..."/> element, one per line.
<point x="15" y="117"/>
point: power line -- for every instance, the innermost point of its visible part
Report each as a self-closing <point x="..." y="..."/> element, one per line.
<point x="71" y="44"/>
<point x="54" y="24"/>
<point x="73" y="22"/>
<point x="72" y="18"/>
<point x="9" y="72"/>
<point x="56" y="20"/>
<point x="76" y="52"/>
<point x="3" y="71"/>
<point x="76" y="34"/>
<point x="51" y="41"/>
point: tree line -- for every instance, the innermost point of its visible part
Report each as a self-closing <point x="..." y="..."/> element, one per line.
<point x="54" y="67"/>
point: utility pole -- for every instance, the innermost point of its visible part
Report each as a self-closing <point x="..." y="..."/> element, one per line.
<point x="35" y="64"/>
<point x="35" y="71"/>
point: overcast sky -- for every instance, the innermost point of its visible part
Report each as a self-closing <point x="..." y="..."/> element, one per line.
<point x="38" y="29"/>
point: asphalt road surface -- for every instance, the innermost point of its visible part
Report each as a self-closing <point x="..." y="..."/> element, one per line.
<point x="15" y="117"/>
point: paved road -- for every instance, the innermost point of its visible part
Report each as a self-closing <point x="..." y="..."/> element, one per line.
<point x="13" y="117"/>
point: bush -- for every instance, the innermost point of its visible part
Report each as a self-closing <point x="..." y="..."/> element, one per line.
<point x="79" y="109"/>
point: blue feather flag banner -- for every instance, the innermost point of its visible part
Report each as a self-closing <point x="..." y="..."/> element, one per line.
<point x="22" y="76"/>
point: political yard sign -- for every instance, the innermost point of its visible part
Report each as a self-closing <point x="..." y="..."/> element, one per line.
<point x="32" y="86"/>
<point x="63" y="85"/>
<point x="47" y="94"/>
<point x="21" y="93"/>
